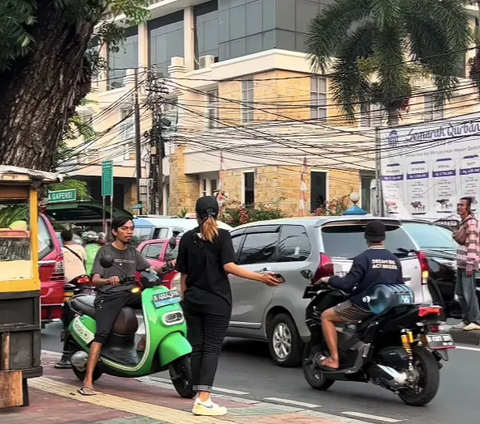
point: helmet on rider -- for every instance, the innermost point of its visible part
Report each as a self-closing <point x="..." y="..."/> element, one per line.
<point x="90" y="237"/>
<point x="102" y="238"/>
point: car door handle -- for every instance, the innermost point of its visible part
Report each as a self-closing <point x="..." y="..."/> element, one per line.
<point x="266" y="269"/>
<point x="407" y="279"/>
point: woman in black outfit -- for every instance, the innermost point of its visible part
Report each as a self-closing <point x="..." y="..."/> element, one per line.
<point x="205" y="258"/>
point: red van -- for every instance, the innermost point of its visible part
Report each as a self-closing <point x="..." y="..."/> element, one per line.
<point x="50" y="268"/>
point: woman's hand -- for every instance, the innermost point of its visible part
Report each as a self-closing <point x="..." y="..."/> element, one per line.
<point x="271" y="279"/>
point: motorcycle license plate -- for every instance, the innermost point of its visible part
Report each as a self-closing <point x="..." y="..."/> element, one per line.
<point x="166" y="298"/>
<point x="440" y="341"/>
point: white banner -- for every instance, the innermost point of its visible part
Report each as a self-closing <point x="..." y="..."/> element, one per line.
<point x="427" y="168"/>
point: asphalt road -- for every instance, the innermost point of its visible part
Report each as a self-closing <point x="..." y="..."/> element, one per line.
<point x="246" y="371"/>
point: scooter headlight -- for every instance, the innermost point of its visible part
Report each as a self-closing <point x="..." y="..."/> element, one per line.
<point x="173" y="318"/>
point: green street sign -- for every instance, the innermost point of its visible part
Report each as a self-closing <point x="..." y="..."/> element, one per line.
<point x="107" y="178"/>
<point x="139" y="206"/>
<point x="60" y="196"/>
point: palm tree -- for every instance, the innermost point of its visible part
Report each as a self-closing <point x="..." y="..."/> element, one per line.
<point x="377" y="48"/>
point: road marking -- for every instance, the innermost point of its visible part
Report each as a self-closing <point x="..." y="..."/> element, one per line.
<point x="292" y="402"/>
<point x="215" y="389"/>
<point x="372" y="417"/>
<point x="474" y="349"/>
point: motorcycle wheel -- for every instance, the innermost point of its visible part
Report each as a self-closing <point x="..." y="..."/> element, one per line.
<point x="97" y="372"/>
<point x="182" y="378"/>
<point x="426" y="364"/>
<point x="313" y="374"/>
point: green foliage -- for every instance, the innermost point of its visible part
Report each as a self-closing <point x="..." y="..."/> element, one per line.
<point x="19" y="17"/>
<point x="12" y="213"/>
<point x="183" y="213"/>
<point x="235" y="213"/>
<point x="80" y="186"/>
<point x="369" y="44"/>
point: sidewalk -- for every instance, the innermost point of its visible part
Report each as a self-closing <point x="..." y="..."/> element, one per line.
<point x="54" y="400"/>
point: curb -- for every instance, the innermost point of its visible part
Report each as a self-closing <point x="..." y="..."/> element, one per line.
<point x="465" y="337"/>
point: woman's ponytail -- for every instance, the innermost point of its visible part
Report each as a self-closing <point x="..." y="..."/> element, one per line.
<point x="209" y="229"/>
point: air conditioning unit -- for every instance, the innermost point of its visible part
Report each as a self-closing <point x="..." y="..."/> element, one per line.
<point x="206" y="61"/>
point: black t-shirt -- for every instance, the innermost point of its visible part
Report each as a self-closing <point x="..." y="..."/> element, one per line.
<point x="208" y="288"/>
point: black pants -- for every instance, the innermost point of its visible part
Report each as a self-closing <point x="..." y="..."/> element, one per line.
<point x="206" y="333"/>
<point x="107" y="308"/>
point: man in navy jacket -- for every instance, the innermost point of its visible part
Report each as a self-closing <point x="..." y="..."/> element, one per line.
<point x="374" y="266"/>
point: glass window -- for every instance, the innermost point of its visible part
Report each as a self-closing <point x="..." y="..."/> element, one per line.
<point x="431" y="110"/>
<point x="347" y="241"/>
<point x="294" y="244"/>
<point x="127" y="131"/>
<point x="206" y="30"/>
<point x="259" y="248"/>
<point x="249" y="188"/>
<point x="152" y="251"/>
<point x="370" y="115"/>
<point x="45" y="242"/>
<point x="177" y="231"/>
<point x="236" y="240"/>
<point x="204" y="187"/>
<point x="213" y="186"/>
<point x="247" y="101"/>
<point x="125" y="58"/>
<point x="430" y="236"/>
<point x="318" y="98"/>
<point x="166" y="38"/>
<point x="140" y="235"/>
<point x="212" y="109"/>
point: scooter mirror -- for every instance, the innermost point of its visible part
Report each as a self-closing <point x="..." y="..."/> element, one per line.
<point x="172" y="243"/>
<point x="106" y="261"/>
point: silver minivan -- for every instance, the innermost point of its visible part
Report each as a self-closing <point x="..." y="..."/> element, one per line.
<point x="288" y="246"/>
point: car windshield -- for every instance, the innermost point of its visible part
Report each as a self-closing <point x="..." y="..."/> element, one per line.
<point x="428" y="236"/>
<point x="347" y="241"/>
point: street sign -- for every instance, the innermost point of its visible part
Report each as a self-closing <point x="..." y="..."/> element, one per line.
<point x="107" y="178"/>
<point x="60" y="196"/>
<point x="139" y="206"/>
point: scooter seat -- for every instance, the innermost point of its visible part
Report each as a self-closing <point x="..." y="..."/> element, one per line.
<point x="126" y="323"/>
<point x="84" y="304"/>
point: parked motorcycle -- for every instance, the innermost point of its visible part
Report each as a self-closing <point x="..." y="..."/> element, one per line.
<point x="399" y="347"/>
<point x="166" y="345"/>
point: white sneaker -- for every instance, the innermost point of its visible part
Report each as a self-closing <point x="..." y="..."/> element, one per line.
<point x="471" y="327"/>
<point x="460" y="326"/>
<point x="208" y="408"/>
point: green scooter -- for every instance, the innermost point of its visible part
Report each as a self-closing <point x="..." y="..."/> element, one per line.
<point x="166" y="343"/>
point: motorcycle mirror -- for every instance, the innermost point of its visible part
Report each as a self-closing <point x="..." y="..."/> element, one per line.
<point x="106" y="261"/>
<point x="172" y="243"/>
<point x="307" y="274"/>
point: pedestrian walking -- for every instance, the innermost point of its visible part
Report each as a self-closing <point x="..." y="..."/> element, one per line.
<point x="467" y="236"/>
<point x="74" y="257"/>
<point x="205" y="258"/>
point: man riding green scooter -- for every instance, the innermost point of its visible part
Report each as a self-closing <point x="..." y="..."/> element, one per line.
<point x="112" y="296"/>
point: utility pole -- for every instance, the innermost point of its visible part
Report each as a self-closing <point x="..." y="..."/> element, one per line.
<point x="138" y="150"/>
<point x="155" y="100"/>
<point x="378" y="171"/>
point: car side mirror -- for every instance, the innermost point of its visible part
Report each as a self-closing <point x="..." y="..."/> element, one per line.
<point x="106" y="261"/>
<point x="172" y="243"/>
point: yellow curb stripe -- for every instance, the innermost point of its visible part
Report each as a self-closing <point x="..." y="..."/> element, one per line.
<point x="118" y="403"/>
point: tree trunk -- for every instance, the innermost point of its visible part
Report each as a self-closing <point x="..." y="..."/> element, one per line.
<point x="392" y="117"/>
<point x="41" y="91"/>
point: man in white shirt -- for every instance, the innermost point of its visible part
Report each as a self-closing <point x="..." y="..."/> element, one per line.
<point x="74" y="257"/>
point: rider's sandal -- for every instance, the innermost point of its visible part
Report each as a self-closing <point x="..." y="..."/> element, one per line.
<point x="87" y="391"/>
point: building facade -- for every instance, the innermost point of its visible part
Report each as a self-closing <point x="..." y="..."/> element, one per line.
<point x="249" y="116"/>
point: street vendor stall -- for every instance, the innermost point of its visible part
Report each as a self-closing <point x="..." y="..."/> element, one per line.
<point x="20" y="338"/>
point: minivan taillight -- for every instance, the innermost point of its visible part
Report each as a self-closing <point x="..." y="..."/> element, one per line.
<point x="424" y="267"/>
<point x="325" y="268"/>
<point x="58" y="271"/>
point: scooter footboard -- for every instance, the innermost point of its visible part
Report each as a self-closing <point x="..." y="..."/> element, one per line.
<point x="172" y="347"/>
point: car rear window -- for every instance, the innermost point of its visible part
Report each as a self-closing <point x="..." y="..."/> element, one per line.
<point x="140" y="235"/>
<point x="430" y="236"/>
<point x="347" y="241"/>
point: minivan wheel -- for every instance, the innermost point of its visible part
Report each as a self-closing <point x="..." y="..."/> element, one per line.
<point x="284" y="342"/>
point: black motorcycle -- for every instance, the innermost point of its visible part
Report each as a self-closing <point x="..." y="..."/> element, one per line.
<point x="399" y="348"/>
